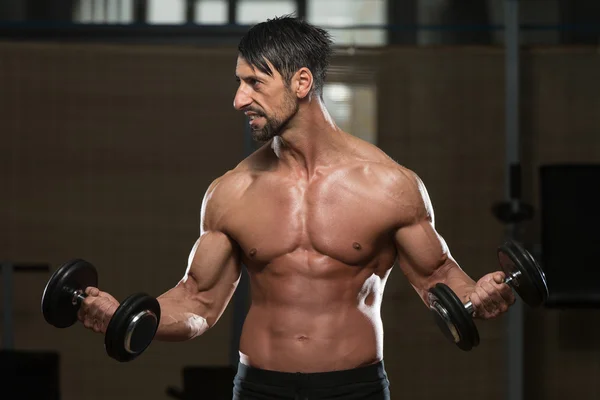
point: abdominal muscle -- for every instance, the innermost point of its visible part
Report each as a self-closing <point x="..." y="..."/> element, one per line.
<point x="306" y="323"/>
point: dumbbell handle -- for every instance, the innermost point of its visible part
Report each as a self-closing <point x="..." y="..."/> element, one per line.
<point x="508" y="280"/>
<point x="78" y="296"/>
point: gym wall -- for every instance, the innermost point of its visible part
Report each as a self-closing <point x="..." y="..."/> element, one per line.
<point x="441" y="113"/>
<point x="108" y="150"/>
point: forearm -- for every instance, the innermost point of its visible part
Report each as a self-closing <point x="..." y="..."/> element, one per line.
<point x="177" y="322"/>
<point x="452" y="275"/>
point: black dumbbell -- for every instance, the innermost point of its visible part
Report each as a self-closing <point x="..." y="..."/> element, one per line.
<point x="130" y="330"/>
<point x="455" y="319"/>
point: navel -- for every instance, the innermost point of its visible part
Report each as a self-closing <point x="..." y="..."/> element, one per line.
<point x="356" y="246"/>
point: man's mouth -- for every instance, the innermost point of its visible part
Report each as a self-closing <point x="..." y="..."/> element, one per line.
<point x="253" y="117"/>
<point x="252" y="114"/>
<point x="255" y="121"/>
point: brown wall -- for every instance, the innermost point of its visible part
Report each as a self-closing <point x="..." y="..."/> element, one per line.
<point x="441" y="113"/>
<point x="562" y="110"/>
<point x="107" y="152"/>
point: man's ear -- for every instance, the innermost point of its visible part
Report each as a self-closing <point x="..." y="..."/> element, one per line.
<point x="302" y="82"/>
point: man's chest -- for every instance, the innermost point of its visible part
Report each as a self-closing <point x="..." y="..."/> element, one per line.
<point x="335" y="218"/>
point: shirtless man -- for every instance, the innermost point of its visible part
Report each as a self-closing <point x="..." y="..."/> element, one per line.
<point x="318" y="217"/>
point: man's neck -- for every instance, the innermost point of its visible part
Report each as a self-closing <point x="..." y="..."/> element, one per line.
<point x="311" y="140"/>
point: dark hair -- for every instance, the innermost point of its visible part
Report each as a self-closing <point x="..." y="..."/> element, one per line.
<point x="289" y="44"/>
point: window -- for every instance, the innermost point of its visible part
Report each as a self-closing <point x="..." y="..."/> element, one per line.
<point x="354" y="108"/>
<point x="107" y="11"/>
<point x="211" y="12"/>
<point x="166" y="12"/>
<point x="335" y="14"/>
<point x="253" y="11"/>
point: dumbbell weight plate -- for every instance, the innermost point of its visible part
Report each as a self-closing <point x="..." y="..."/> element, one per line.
<point x="530" y="284"/>
<point x="453" y="318"/>
<point x="57" y="301"/>
<point x="132" y="327"/>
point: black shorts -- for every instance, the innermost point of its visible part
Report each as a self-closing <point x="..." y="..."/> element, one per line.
<point x="364" y="383"/>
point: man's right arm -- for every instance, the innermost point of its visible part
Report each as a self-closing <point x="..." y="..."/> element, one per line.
<point x="197" y="302"/>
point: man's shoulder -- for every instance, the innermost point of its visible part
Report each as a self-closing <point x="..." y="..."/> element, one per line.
<point x="226" y="191"/>
<point x="377" y="166"/>
<point x="230" y="184"/>
<point x="239" y="178"/>
<point x="388" y="177"/>
<point x="221" y="195"/>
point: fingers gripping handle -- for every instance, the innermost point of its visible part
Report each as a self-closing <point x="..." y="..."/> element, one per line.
<point x="510" y="280"/>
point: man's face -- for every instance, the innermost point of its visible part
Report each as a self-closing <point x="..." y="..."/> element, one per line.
<point x="267" y="100"/>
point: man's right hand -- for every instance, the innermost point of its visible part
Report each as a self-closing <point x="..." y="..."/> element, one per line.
<point x="97" y="309"/>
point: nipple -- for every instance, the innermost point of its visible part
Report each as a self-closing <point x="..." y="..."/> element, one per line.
<point x="356" y="246"/>
<point x="252" y="252"/>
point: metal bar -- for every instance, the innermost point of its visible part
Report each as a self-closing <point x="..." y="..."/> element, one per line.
<point x="512" y="189"/>
<point x="190" y="7"/>
<point x="8" y="340"/>
<point x="140" y="11"/>
<point x="301" y="8"/>
<point x="209" y="35"/>
<point x="232" y="11"/>
<point x="401" y="13"/>
<point x="41" y="27"/>
<point x="31" y="267"/>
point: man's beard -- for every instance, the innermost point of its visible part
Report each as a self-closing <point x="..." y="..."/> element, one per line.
<point x="276" y="124"/>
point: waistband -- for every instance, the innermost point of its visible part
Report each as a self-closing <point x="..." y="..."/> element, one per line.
<point x="369" y="373"/>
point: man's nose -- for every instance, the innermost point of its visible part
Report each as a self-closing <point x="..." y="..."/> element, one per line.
<point x="241" y="100"/>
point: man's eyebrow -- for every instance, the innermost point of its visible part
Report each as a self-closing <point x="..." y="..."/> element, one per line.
<point x="248" y="77"/>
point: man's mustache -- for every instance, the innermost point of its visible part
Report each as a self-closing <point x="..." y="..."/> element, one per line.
<point x="255" y="111"/>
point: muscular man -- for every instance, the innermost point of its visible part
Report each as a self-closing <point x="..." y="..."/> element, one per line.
<point x="318" y="217"/>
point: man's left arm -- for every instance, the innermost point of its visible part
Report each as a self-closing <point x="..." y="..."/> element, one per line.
<point x="425" y="259"/>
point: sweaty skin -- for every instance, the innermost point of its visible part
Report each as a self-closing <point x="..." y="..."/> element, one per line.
<point x="319" y="250"/>
<point x="318" y="217"/>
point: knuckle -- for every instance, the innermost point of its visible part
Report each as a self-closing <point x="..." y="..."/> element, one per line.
<point x="485" y="298"/>
<point x="480" y="293"/>
<point x="87" y="302"/>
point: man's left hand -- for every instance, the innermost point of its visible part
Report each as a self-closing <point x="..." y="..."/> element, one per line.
<point x="491" y="296"/>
